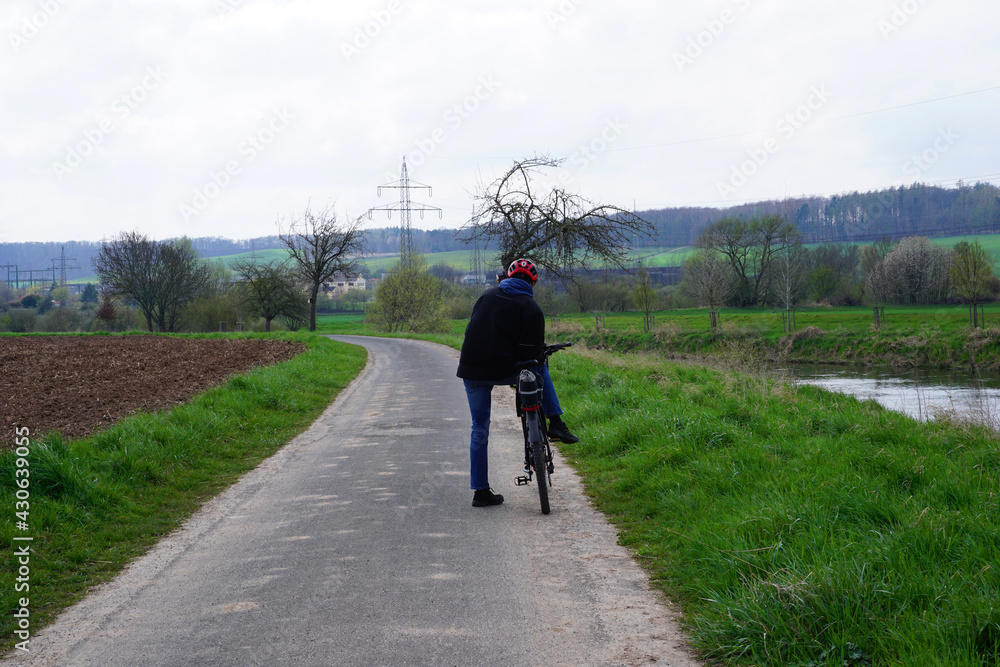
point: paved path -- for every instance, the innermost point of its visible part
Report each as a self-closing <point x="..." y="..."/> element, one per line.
<point x="357" y="545"/>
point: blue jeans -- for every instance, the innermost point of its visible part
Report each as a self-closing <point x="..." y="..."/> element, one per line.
<point x="479" y="393"/>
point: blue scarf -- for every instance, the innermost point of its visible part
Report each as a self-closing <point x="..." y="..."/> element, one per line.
<point x="517" y="286"/>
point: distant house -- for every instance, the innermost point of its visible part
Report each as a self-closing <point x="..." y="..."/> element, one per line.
<point x="473" y="279"/>
<point x="341" y="284"/>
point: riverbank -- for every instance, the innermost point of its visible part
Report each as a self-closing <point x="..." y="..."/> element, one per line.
<point x="793" y="525"/>
<point x="920" y="338"/>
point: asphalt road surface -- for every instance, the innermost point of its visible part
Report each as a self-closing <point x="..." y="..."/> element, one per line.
<point x="357" y="544"/>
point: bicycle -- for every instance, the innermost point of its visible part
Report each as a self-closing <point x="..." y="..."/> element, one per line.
<point x="537" y="450"/>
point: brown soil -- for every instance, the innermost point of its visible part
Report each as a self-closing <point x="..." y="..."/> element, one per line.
<point x="80" y="384"/>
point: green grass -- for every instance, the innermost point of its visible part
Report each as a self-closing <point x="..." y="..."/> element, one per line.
<point x="98" y="502"/>
<point x="794" y="526"/>
<point x="915" y="336"/>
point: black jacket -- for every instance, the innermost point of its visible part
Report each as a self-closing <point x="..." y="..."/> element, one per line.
<point x="504" y="329"/>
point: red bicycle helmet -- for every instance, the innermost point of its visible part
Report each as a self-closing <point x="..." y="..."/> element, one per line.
<point x="523" y="267"/>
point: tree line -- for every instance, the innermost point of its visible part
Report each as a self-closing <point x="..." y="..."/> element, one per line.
<point x="855" y="217"/>
<point x="764" y="261"/>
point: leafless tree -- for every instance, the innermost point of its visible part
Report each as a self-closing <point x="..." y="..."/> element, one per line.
<point x="270" y="291"/>
<point x="559" y="231"/>
<point x="159" y="277"/>
<point x="644" y="297"/>
<point x="709" y="279"/>
<point x="182" y="276"/>
<point x="751" y="247"/>
<point x="791" y="278"/>
<point x="878" y="282"/>
<point x="125" y="268"/>
<point x="321" y="248"/>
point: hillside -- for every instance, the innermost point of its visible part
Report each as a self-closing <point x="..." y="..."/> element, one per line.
<point x="946" y="214"/>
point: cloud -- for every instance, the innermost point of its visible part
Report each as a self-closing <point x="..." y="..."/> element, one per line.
<point x="412" y="83"/>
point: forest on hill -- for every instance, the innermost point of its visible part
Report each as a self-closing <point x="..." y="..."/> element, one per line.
<point x="856" y="217"/>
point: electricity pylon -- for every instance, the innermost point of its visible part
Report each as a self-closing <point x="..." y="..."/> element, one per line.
<point x="62" y="259"/>
<point x="405" y="206"/>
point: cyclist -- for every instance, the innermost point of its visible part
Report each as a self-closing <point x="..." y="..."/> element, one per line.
<point x="507" y="326"/>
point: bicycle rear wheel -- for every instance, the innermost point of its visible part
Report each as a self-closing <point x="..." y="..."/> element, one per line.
<point x="537" y="442"/>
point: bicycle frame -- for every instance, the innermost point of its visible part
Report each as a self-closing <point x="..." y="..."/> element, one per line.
<point x="537" y="450"/>
<point x="528" y="403"/>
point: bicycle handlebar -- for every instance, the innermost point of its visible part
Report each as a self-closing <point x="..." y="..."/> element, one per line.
<point x="546" y="353"/>
<point x="552" y="349"/>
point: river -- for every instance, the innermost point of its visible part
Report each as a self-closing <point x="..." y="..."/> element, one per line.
<point x="920" y="393"/>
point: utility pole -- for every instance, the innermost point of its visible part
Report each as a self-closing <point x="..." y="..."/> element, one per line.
<point x="405" y="206"/>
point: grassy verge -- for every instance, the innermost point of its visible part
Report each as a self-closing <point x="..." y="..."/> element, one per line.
<point x="96" y="503"/>
<point x="794" y="526"/>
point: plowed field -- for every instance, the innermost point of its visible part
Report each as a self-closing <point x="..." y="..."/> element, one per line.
<point x="79" y="384"/>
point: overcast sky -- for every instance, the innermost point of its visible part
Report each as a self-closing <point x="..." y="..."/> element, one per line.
<point x="218" y="117"/>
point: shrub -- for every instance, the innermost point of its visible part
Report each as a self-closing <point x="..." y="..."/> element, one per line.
<point x="22" y="320"/>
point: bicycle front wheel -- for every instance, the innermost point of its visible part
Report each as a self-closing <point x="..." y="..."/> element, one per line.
<point x="537" y="441"/>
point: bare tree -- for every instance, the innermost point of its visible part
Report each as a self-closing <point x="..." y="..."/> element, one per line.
<point x="125" y="268"/>
<point x="790" y="273"/>
<point x="322" y="248"/>
<point x="751" y="247"/>
<point x="878" y="281"/>
<point x="181" y="277"/>
<point x="559" y="231"/>
<point x="270" y="291"/>
<point x="709" y="279"/>
<point x="158" y="277"/>
<point x="644" y="297"/>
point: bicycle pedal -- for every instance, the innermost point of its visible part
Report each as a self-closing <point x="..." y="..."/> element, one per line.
<point x="521" y="480"/>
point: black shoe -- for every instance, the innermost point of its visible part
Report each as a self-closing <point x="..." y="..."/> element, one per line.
<point x="559" y="432"/>
<point x="486" y="498"/>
